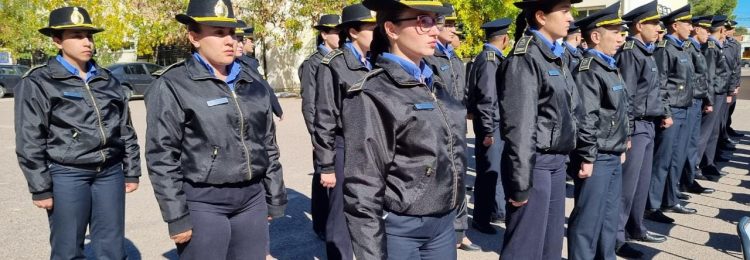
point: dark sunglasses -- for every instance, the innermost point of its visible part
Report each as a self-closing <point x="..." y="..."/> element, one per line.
<point x="426" y="22"/>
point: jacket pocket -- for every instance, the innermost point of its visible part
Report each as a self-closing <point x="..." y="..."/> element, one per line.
<point x="545" y="137"/>
<point x="209" y="170"/>
<point x="74" y="134"/>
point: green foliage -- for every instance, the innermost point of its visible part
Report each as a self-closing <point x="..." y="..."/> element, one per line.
<point x="740" y="30"/>
<point x="474" y="13"/>
<point x="712" y="7"/>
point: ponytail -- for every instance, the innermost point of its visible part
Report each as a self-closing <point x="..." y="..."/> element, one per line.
<point x="380" y="42"/>
<point x="521" y="24"/>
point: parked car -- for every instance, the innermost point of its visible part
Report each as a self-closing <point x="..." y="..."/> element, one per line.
<point x="134" y="76"/>
<point x="10" y="75"/>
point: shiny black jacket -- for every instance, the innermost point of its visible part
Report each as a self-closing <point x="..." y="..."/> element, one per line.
<point x="200" y="131"/>
<point x="718" y="68"/>
<point x="638" y="68"/>
<point x="701" y="89"/>
<point x="253" y="64"/>
<point x="675" y="72"/>
<point x="61" y="119"/>
<point x="733" y="53"/>
<point x="452" y="72"/>
<point x="308" y="87"/>
<point x="604" y="120"/>
<point x="404" y="153"/>
<point x="482" y="102"/>
<point x="573" y="58"/>
<point x="339" y="70"/>
<point x="537" y="103"/>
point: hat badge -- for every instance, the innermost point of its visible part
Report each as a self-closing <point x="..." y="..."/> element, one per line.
<point x="76" y="17"/>
<point x="373" y="14"/>
<point x="221" y="9"/>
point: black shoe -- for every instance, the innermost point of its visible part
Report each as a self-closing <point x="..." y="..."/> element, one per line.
<point x="652" y="238"/>
<point x="732" y="141"/>
<point x="680" y="209"/>
<point x="484" y="228"/>
<point x="711" y="171"/>
<point x="469" y="247"/>
<point x="626" y="251"/>
<point x="699" y="176"/>
<point x="683" y="196"/>
<point x="734" y="134"/>
<point x="722" y="159"/>
<point x="698" y="189"/>
<point x="658" y="216"/>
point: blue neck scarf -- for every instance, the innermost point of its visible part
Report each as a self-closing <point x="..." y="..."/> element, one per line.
<point x="610" y="61"/>
<point x="354" y="50"/>
<point x="234" y="70"/>
<point x="555" y="47"/>
<point x="70" y="68"/>
<point x="650" y="47"/>
<point x="421" y="73"/>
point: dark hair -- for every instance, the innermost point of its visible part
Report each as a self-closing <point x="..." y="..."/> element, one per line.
<point x="715" y="29"/>
<point x="318" y="40"/>
<point x="344" y="31"/>
<point x="380" y="42"/>
<point x="527" y="17"/>
<point x="587" y="34"/>
<point x="194" y="27"/>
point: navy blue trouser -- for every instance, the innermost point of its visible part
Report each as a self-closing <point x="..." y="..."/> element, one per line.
<point x="420" y="237"/>
<point x="592" y="227"/>
<point x="82" y="198"/>
<point x="663" y="181"/>
<point x="693" y="124"/>
<point x="338" y="240"/>
<point x="535" y="231"/>
<point x="636" y="180"/>
<point x="710" y="127"/>
<point x="318" y="204"/>
<point x="229" y="221"/>
<point x="489" y="197"/>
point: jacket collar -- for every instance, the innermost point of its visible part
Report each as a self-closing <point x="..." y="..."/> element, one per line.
<point x="601" y="58"/>
<point x="352" y="59"/>
<point x="400" y="75"/>
<point x="58" y="70"/>
<point x="197" y="71"/>
<point x="542" y="46"/>
<point x="646" y="49"/>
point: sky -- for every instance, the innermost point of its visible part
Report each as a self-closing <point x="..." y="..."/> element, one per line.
<point x="743" y="12"/>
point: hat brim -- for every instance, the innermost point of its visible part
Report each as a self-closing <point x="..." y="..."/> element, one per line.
<point x="380" y="5"/>
<point x="324" y="27"/>
<point x="229" y="23"/>
<point x="48" y="31"/>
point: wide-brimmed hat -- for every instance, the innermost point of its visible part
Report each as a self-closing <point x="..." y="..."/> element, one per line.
<point x="434" y="6"/>
<point x="356" y="13"/>
<point x="328" y="21"/>
<point x="217" y="13"/>
<point x="69" y="18"/>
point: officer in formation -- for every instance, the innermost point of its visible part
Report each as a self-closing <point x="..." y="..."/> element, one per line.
<point x="573" y="41"/>
<point x="241" y="33"/>
<point x="736" y="54"/>
<point x="327" y="40"/>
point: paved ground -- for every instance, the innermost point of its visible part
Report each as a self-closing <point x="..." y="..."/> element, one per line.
<point x="710" y="234"/>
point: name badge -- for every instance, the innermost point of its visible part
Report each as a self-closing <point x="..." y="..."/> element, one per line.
<point x="73" y="95"/>
<point x="444" y="67"/>
<point x="617" y="87"/>
<point x="653" y="69"/>
<point x="424" y="106"/>
<point x="216" y="102"/>
<point x="683" y="60"/>
<point x="553" y="72"/>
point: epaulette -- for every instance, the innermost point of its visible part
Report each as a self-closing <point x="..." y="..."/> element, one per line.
<point x="522" y="45"/>
<point x="33" y="69"/>
<point x="585" y="64"/>
<point x="711" y="44"/>
<point x="662" y="44"/>
<point x="360" y="85"/>
<point x="688" y="44"/>
<point x="327" y="59"/>
<point x="491" y="56"/>
<point x="160" y="72"/>
<point x="629" y="45"/>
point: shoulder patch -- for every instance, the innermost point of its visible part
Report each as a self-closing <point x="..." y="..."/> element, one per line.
<point x="160" y="72"/>
<point x="33" y="69"/>
<point x="662" y="44"/>
<point x="711" y="44"/>
<point x="360" y="85"/>
<point x="491" y="56"/>
<point x="585" y="64"/>
<point x="327" y="59"/>
<point x="522" y="45"/>
<point x="688" y="44"/>
<point x="629" y="45"/>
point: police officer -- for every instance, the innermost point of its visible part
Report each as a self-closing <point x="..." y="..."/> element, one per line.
<point x="675" y="68"/>
<point x="730" y="26"/>
<point x="572" y="42"/>
<point x="249" y="48"/>
<point x="650" y="109"/>
<point x="339" y="70"/>
<point x="489" y="198"/>
<point x="733" y="54"/>
<point x="537" y="98"/>
<point x="327" y="40"/>
<point x="211" y="144"/>
<point x="245" y="43"/>
<point x="75" y="143"/>
<point x="718" y="73"/>
<point x="603" y="138"/>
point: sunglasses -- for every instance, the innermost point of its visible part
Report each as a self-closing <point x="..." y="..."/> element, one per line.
<point x="426" y="22"/>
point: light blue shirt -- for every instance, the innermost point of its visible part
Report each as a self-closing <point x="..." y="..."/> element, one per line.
<point x="609" y="59"/>
<point x="555" y="47"/>
<point x="234" y="70"/>
<point x="364" y="61"/>
<point x="70" y="68"/>
<point x="674" y="39"/>
<point x="421" y="73"/>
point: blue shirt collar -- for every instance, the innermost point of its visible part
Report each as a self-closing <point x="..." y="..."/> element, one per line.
<point x="448" y="50"/>
<point x="70" y="68"/>
<point x="716" y="40"/>
<point x="555" y="47"/>
<point x="421" y="73"/>
<point x="234" y="69"/>
<point x="610" y="61"/>
<point x="674" y="39"/>
<point x="650" y="47"/>
<point x="695" y="42"/>
<point x="323" y="49"/>
<point x="358" y="55"/>
<point x="571" y="48"/>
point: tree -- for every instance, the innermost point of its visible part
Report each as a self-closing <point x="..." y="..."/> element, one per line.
<point x="474" y="13"/>
<point x="713" y="7"/>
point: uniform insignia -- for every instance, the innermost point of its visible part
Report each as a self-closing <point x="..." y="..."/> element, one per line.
<point x="491" y="56"/>
<point x="553" y="72"/>
<point x="522" y="45"/>
<point x="424" y="106"/>
<point x="76" y="17"/>
<point x="585" y="64"/>
<point x="32" y="70"/>
<point x="617" y="87"/>
<point x="162" y="71"/>
<point x="662" y="44"/>
<point x="327" y="59"/>
<point x="711" y="45"/>
<point x="218" y="101"/>
<point x="688" y="44"/>
<point x="629" y="45"/>
<point x="444" y="67"/>
<point x="360" y="85"/>
<point x="221" y="9"/>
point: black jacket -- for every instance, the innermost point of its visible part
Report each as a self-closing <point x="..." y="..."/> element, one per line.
<point x="537" y="103"/>
<point x="718" y="68"/>
<point x="253" y="65"/>
<point x="308" y="87"/>
<point x="200" y="131"/>
<point x="733" y="53"/>
<point x="641" y="75"/>
<point x="452" y="72"/>
<point x="339" y="70"/>
<point x="482" y="102"/>
<point x="675" y="72"/>
<point x="573" y="58"/>
<point x="61" y="119"/>
<point x="605" y="120"/>
<point x="404" y="153"/>
<point x="701" y="89"/>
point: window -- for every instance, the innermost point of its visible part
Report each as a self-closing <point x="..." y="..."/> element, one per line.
<point x="152" y="68"/>
<point x="135" y="69"/>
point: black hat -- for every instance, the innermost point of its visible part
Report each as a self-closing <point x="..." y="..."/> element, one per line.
<point x="460" y="29"/>
<point x="718" y="20"/>
<point x="526" y="4"/>
<point x="328" y="21"/>
<point x="434" y="6"/>
<point x="730" y="24"/>
<point x="605" y="17"/>
<point x="239" y="31"/>
<point x="217" y="13"/>
<point x="356" y="13"/>
<point x="644" y="13"/>
<point x="662" y="27"/>
<point x="682" y="15"/>
<point x="452" y="16"/>
<point x="496" y="27"/>
<point x="573" y="29"/>
<point x="703" y="21"/>
<point x="68" y="18"/>
<point x="249" y="30"/>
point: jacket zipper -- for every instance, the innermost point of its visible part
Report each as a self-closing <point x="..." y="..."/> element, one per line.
<point x="450" y="144"/>
<point x="101" y="125"/>
<point x="242" y="133"/>
<point x="213" y="160"/>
